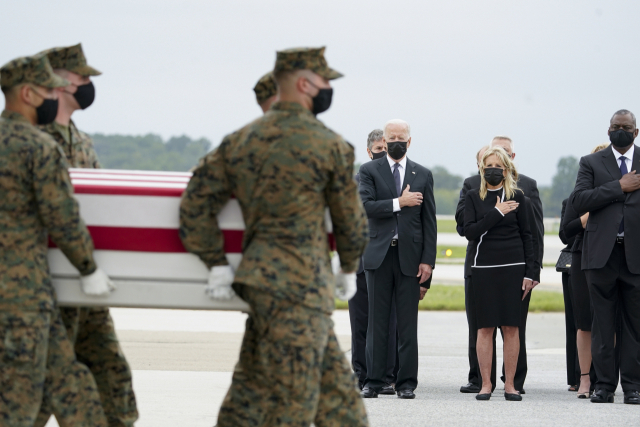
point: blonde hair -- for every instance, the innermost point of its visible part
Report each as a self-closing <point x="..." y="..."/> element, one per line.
<point x="599" y="147"/>
<point x="510" y="183"/>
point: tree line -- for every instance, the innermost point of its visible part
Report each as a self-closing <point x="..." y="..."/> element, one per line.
<point x="181" y="153"/>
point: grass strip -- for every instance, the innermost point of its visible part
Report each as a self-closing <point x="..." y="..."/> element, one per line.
<point x="451" y="298"/>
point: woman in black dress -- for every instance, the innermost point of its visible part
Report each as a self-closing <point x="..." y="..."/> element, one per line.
<point x="502" y="270"/>
<point x="573" y="365"/>
<point x="573" y="225"/>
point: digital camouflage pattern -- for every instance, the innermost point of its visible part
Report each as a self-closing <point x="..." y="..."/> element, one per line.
<point x="265" y="88"/>
<point x="284" y="169"/>
<point x="76" y="145"/>
<point x="291" y="370"/>
<point x="37" y="200"/>
<point x="91" y="329"/>
<point x="72" y="59"/>
<point x="305" y="58"/>
<point x="36" y="356"/>
<point x="30" y="69"/>
<point x="36" y="359"/>
<point x="92" y="334"/>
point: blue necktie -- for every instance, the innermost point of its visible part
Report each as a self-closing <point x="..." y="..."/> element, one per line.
<point x="623" y="171"/>
<point x="396" y="177"/>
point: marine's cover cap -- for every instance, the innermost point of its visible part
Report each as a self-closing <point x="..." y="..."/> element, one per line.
<point x="71" y="58"/>
<point x="265" y="88"/>
<point x="34" y="69"/>
<point x="305" y="58"/>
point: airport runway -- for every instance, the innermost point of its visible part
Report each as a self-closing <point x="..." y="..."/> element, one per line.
<point x="182" y="363"/>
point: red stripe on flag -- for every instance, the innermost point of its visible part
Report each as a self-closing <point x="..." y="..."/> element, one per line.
<point x="157" y="239"/>
<point x="151" y="239"/>
<point x="128" y="191"/>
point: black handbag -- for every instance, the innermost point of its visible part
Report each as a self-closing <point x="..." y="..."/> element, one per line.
<point x="564" y="261"/>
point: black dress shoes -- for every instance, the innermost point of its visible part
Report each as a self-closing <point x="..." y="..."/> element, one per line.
<point x="522" y="391"/>
<point x="470" y="388"/>
<point x="514" y="397"/>
<point x="484" y="396"/>
<point x="406" y="394"/>
<point x="602" y="396"/>
<point x="388" y="389"/>
<point x="369" y="393"/>
<point x="632" y="397"/>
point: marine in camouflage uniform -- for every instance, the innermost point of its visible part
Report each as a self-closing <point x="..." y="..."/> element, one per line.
<point x="90" y="329"/>
<point x="36" y="356"/>
<point x="266" y="91"/>
<point x="284" y="169"/>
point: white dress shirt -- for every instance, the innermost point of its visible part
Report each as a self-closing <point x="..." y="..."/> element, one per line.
<point x="628" y="160"/>
<point x="401" y="170"/>
<point x="628" y="155"/>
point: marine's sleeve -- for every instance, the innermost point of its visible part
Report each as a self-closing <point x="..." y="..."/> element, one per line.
<point x="350" y="227"/>
<point x="57" y="207"/>
<point x="207" y="193"/>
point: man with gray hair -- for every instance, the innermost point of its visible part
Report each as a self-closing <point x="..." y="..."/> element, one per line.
<point x="359" y="304"/>
<point x="398" y="197"/>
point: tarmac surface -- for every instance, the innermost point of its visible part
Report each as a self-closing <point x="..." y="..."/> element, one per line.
<point x="182" y="362"/>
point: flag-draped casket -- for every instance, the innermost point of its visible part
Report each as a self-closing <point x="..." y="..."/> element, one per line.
<point x="133" y="218"/>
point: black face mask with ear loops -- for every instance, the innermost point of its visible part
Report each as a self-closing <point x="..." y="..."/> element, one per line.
<point x="85" y="95"/>
<point x="47" y="111"/>
<point x="493" y="176"/>
<point x="379" y="155"/>
<point x="397" y="149"/>
<point x="322" y="101"/>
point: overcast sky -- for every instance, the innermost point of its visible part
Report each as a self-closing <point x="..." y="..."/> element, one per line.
<point x="547" y="73"/>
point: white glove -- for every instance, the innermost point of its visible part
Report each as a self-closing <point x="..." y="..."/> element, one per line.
<point x="220" y="280"/>
<point x="97" y="284"/>
<point x="345" y="282"/>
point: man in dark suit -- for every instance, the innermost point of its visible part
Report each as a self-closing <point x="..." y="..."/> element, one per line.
<point x="607" y="188"/>
<point x="398" y="197"/>
<point x="530" y="189"/>
<point x="359" y="304"/>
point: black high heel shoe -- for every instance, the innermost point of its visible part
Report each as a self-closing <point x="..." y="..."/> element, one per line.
<point x="587" y="394"/>
<point x="485" y="396"/>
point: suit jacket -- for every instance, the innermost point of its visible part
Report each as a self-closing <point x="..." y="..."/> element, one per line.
<point x="361" y="262"/>
<point x="530" y="189"/>
<point x="417" y="224"/>
<point x="598" y="192"/>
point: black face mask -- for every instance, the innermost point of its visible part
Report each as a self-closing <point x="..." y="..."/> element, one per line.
<point x="47" y="112"/>
<point x="85" y="95"/>
<point x="322" y="100"/>
<point x="378" y="155"/>
<point x="621" y="138"/>
<point x="397" y="149"/>
<point x="493" y="176"/>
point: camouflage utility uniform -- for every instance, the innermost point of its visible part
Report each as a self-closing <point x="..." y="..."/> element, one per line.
<point x="36" y="356"/>
<point x="91" y="329"/>
<point x="284" y="169"/>
<point x="77" y="146"/>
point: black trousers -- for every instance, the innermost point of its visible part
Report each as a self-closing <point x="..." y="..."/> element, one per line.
<point x="359" y="317"/>
<point x="615" y="287"/>
<point x="474" y="367"/>
<point x="383" y="284"/>
<point x="573" y="364"/>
